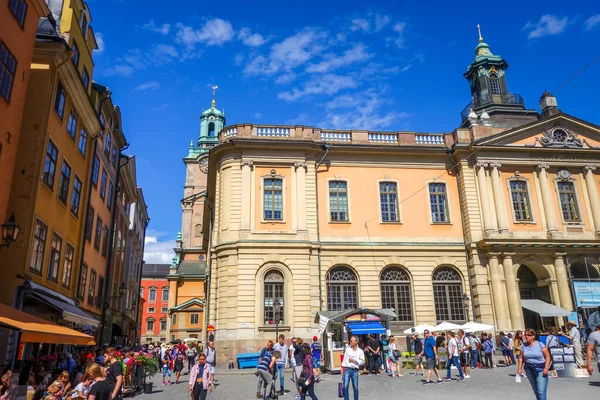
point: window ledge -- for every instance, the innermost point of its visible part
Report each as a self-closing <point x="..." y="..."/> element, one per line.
<point x="340" y="222"/>
<point x="441" y="223"/>
<point x="524" y="222"/>
<point x="273" y="328"/>
<point x="390" y="222"/>
<point x="273" y="222"/>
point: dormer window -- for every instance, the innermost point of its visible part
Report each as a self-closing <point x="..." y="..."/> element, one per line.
<point x="494" y="84"/>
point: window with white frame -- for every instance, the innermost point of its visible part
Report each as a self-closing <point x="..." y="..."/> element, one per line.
<point x="447" y="295"/>
<point x="438" y="201"/>
<point x="520" y="201"/>
<point x="165" y="294"/>
<point x="194" y="319"/>
<point x="273" y="199"/>
<point x="342" y="289"/>
<point x="38" y="248"/>
<point x="273" y="292"/>
<point x="568" y="202"/>
<point x="163" y="324"/>
<point x="396" y="293"/>
<point x="152" y="295"/>
<point x="388" y="199"/>
<point x="338" y="201"/>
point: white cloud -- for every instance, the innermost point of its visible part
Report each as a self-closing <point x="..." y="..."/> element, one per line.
<point x="152" y="85"/>
<point x="163" y="29"/>
<point x="372" y="23"/>
<point x="360" y="111"/>
<point x="99" y="42"/>
<point x="258" y="115"/>
<point x="214" y="32"/>
<point x="136" y="59"/>
<point x="158" y="252"/>
<point x="547" y="25"/>
<point x="360" y="24"/>
<point x="328" y="84"/>
<point x="120" y="70"/>
<point x="238" y="59"/>
<point x="591" y="22"/>
<point x="357" y="53"/>
<point x="398" y="40"/>
<point x="251" y="39"/>
<point x="406" y="68"/>
<point x="165" y="50"/>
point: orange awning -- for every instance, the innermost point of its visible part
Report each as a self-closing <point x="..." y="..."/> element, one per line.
<point x="37" y="330"/>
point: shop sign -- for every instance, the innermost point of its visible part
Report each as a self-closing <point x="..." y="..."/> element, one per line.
<point x="363" y="317"/>
<point x="587" y="294"/>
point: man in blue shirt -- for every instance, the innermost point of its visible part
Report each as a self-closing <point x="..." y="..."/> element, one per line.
<point x="431" y="356"/>
<point x="316" y="348"/>
<point x="265" y="371"/>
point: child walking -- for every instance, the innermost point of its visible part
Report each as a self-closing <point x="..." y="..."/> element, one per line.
<point x="166" y="369"/>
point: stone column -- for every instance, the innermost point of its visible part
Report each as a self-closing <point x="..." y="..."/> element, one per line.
<point x="562" y="281"/>
<point x="300" y="201"/>
<point x="247" y="200"/>
<point x="512" y="292"/>
<point x="593" y="194"/>
<point x="502" y="315"/>
<point x="499" y="197"/>
<point x="484" y="199"/>
<point x="547" y="198"/>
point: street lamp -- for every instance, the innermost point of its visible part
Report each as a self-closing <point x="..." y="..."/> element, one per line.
<point x="10" y="231"/>
<point x="465" y="301"/>
<point x="122" y="289"/>
<point x="276" y="312"/>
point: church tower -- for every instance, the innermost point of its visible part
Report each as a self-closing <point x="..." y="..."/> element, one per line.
<point x="489" y="92"/>
<point x="212" y="121"/>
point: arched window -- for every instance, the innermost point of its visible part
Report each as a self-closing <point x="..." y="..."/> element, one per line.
<point x="342" y="289"/>
<point x="585" y="270"/>
<point x="395" y="293"/>
<point x="447" y="295"/>
<point x="198" y="230"/>
<point x="211" y="129"/>
<point x="494" y="84"/>
<point x="273" y="294"/>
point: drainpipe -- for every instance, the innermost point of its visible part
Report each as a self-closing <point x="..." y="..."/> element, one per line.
<point x="208" y="274"/>
<point x="467" y="253"/>
<point x="325" y="147"/>
<point x="111" y="239"/>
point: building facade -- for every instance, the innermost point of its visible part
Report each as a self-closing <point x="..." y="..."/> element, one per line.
<point x="154" y="292"/>
<point x="18" y="28"/>
<point x="439" y="227"/>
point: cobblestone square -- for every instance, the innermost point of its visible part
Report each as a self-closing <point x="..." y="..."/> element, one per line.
<point x="498" y="383"/>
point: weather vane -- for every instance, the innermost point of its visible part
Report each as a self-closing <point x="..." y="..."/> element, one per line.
<point x="214" y="100"/>
<point x="479" y="30"/>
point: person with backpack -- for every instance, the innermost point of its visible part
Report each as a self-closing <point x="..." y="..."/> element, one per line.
<point x="475" y="349"/>
<point x="464" y="349"/>
<point x="551" y="339"/>
<point x="316" y="349"/>
<point x="191" y="353"/>
<point x="488" y="348"/>
<point x="536" y="362"/>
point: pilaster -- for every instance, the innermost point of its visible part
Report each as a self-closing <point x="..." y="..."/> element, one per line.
<point x="547" y="197"/>
<point x="300" y="206"/>
<point x="512" y="292"/>
<point x="484" y="198"/>
<point x="499" y="197"/>
<point x="246" y="194"/>
<point x="562" y="281"/>
<point x="594" y="197"/>
<point x="499" y="293"/>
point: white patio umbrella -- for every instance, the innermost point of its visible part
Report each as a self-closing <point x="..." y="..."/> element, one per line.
<point x="418" y="329"/>
<point x="476" y="327"/>
<point x="190" y="339"/>
<point x="445" y="326"/>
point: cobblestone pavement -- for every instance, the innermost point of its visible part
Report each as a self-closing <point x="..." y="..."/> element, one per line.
<point x="498" y="383"/>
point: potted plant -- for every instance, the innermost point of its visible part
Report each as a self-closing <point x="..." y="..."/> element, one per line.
<point x="151" y="368"/>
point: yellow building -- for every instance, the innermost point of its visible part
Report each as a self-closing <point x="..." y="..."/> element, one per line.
<point x="51" y="180"/>
<point x="495" y="222"/>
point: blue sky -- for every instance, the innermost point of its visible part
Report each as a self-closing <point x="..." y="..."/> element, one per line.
<point x="335" y="64"/>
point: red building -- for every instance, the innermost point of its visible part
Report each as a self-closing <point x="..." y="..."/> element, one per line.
<point x="154" y="289"/>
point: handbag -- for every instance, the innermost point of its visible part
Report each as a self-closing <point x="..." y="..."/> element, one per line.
<point x="397" y="355"/>
<point x="340" y="390"/>
<point x="302" y="380"/>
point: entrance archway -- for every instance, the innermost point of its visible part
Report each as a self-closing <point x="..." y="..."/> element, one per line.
<point x="530" y="288"/>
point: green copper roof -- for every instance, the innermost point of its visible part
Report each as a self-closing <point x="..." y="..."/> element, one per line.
<point x="483" y="55"/>
<point x="212" y="110"/>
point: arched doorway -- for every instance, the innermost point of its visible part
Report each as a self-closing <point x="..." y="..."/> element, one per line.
<point x="530" y="287"/>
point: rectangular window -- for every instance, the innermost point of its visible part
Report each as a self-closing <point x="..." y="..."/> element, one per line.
<point x="8" y="69"/>
<point x="163" y="324"/>
<point x="149" y="325"/>
<point x="273" y="199"/>
<point x="520" y="201"/>
<point x="54" y="258"/>
<point x="82" y="282"/>
<point x="107" y="143"/>
<point x="98" y="236"/>
<point x="60" y="100"/>
<point x="164" y="309"/>
<point x="105" y="242"/>
<point x="92" y="289"/>
<point x="568" y="202"/>
<point x="152" y="296"/>
<point x="438" y="202"/>
<point x="82" y="145"/>
<point x="388" y="197"/>
<point x="64" y="182"/>
<point x="110" y="195"/>
<point x="174" y="319"/>
<point x="85" y="79"/>
<point x="76" y="196"/>
<point x="95" y="170"/>
<point x="165" y="294"/>
<point x="72" y="124"/>
<point x="75" y="57"/>
<point x="494" y="85"/>
<point x="84" y="25"/>
<point x="99" y="299"/>
<point x="113" y="156"/>
<point x="338" y="201"/>
<point x="68" y="266"/>
<point x="89" y="224"/>
<point x="150" y="310"/>
<point x="38" y="247"/>
<point x="50" y="165"/>
<point x="103" y="184"/>
<point x="193" y="319"/>
<point x="19" y="10"/>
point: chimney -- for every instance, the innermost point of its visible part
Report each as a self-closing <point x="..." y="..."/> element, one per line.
<point x="548" y="104"/>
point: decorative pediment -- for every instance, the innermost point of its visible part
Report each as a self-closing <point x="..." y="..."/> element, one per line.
<point x="560" y="131"/>
<point x="192" y="304"/>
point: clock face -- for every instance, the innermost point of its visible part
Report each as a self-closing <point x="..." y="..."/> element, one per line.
<point x="204" y="165"/>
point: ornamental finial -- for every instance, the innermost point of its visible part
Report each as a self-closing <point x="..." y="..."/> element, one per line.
<point x="214" y="99"/>
<point x="479" y="30"/>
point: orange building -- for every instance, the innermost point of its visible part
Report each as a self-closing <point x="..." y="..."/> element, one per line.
<point x="18" y="27"/>
<point x="154" y="291"/>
